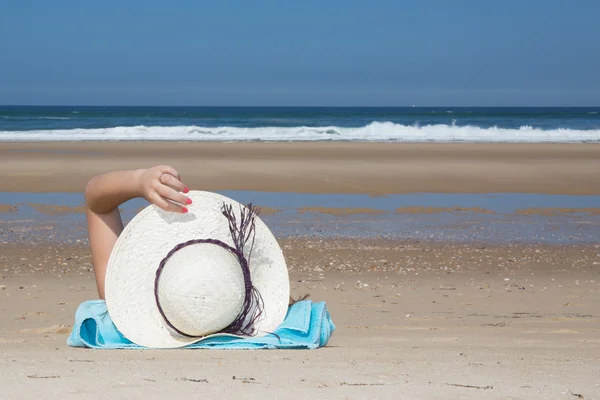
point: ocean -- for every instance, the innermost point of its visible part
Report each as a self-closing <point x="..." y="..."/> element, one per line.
<point x="393" y="124"/>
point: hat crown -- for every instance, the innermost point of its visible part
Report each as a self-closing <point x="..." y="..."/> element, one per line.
<point x="201" y="289"/>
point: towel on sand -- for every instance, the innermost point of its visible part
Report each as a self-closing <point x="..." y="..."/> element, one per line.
<point x="307" y="325"/>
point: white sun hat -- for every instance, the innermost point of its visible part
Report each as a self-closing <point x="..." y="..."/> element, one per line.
<point x="174" y="279"/>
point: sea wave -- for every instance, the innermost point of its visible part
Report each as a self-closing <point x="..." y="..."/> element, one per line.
<point x="373" y="132"/>
<point x="26" y="118"/>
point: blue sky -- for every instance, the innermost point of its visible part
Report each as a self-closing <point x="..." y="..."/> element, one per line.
<point x="310" y="52"/>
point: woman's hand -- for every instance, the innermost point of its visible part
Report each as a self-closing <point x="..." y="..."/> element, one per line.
<point x="161" y="185"/>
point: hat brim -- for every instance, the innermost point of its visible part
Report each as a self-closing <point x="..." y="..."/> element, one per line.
<point x="151" y="234"/>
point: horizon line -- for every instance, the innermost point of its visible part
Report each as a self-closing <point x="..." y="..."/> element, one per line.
<point x="299" y="106"/>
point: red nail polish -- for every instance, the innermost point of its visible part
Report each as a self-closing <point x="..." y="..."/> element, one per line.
<point x="186" y="190"/>
<point x="185" y="210"/>
<point x="188" y="201"/>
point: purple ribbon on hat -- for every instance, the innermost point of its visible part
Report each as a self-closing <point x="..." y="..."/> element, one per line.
<point x="253" y="304"/>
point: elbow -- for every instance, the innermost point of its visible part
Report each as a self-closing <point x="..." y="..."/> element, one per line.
<point x="88" y="193"/>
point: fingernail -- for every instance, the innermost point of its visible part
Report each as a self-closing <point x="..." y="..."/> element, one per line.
<point x="185" y="210"/>
<point x="188" y="201"/>
<point x="186" y="190"/>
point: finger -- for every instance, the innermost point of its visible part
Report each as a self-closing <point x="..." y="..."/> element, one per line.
<point x="170" y="180"/>
<point x="167" y="205"/>
<point x="166" y="169"/>
<point x="171" y="194"/>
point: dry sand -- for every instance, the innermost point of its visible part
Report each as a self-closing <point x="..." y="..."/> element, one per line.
<point x="373" y="168"/>
<point x="414" y="321"/>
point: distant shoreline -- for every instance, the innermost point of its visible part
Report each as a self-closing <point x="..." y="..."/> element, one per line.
<point x="298" y="124"/>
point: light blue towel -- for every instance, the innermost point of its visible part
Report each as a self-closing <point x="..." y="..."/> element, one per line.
<point x="307" y="325"/>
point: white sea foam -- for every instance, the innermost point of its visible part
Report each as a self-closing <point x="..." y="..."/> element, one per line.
<point x="376" y="131"/>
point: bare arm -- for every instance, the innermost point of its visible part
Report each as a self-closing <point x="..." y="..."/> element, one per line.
<point x="104" y="194"/>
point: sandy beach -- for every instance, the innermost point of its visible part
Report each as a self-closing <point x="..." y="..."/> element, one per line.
<point x="459" y="316"/>
<point x="370" y="168"/>
<point x="413" y="321"/>
<point x="430" y="171"/>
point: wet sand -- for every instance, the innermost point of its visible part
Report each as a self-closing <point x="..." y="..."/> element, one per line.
<point x="559" y="211"/>
<point x="339" y="211"/>
<point x="6" y="208"/>
<point x="371" y="168"/>
<point x="436" y="210"/>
